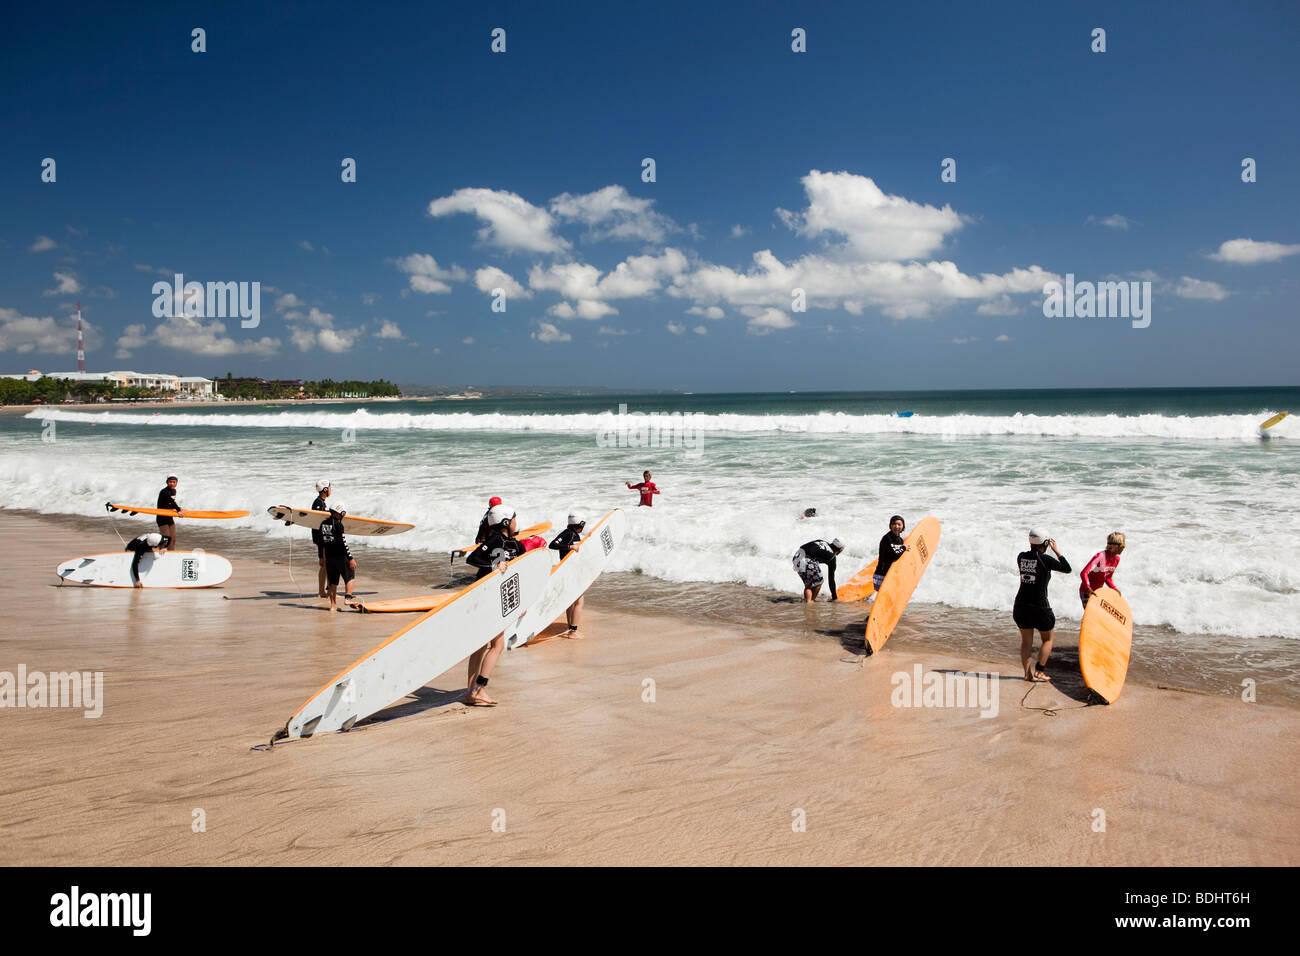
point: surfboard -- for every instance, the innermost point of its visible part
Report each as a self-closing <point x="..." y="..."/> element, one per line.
<point x="353" y="526"/>
<point x="859" y="586"/>
<point x="1105" y="640"/>
<point x="423" y="602"/>
<point x="425" y="648"/>
<point x="901" y="580"/>
<point x="526" y="533"/>
<point x="1273" y="421"/>
<point x="133" y="510"/>
<point x="175" y="569"/>
<point x="571" y="577"/>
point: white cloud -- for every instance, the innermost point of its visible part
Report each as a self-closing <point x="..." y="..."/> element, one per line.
<point x="367" y="298"/>
<point x="1002" y="305"/>
<point x="676" y="328"/>
<point x="1003" y="338"/>
<point x="768" y="319"/>
<point x="389" y="330"/>
<point x="876" y="225"/>
<point x="42" y="244"/>
<point x="134" y="337"/>
<point x="28" y="333"/>
<point x="427" y="276"/>
<point x="700" y="330"/>
<point x="738" y="230"/>
<point x="467" y="340"/>
<point x="337" y="340"/>
<point x="964" y="341"/>
<point x="634" y="277"/>
<point x="67" y="284"/>
<point x="490" y="277"/>
<point x="611" y="213"/>
<point x="1248" y="251"/>
<point x="512" y="223"/>
<point x="606" y="330"/>
<point x="709" y="312"/>
<point x="304" y="244"/>
<point x="288" y="301"/>
<point x="190" y="334"/>
<point x="549" y="333"/>
<point x="1115" y="221"/>
<point x="1189" y="288"/>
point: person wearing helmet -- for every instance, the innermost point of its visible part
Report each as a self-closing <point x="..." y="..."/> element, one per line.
<point x="322" y="492"/>
<point x="339" y="562"/>
<point x="483" y="522"/>
<point x="1032" y="611"/>
<point x="807" y="563"/>
<point x="167" y="502"/>
<point x="565" y="542"/>
<point x="1099" y="572"/>
<point x="647" y="488"/>
<point x="891" y="549"/>
<point x="498" y="547"/>
<point x="154" y="542"/>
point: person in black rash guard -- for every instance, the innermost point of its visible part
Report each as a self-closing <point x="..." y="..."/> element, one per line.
<point x="167" y="502"/>
<point x="807" y="563"/>
<point x="339" y="562"/>
<point x="891" y="549"/>
<point x="565" y="542"/>
<point x="146" y="543"/>
<point x="496" y="549"/>
<point x="322" y="492"/>
<point x="1032" y="611"/>
<point x="483" y="522"/>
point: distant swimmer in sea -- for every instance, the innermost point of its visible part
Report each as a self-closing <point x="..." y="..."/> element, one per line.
<point x="647" y="488"/>
<point x="808" y="561"/>
<point x="808" y="513"/>
<point x="1032" y="611"/>
<point x="498" y="547"/>
<point x="167" y="502"/>
<point x="1099" y="571"/>
<point x="564" y="543"/>
<point x="891" y="549"/>
<point x="146" y="543"/>
<point x="322" y="492"/>
<point x="339" y="563"/>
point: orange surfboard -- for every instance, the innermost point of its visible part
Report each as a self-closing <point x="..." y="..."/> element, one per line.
<point x="424" y="602"/>
<point x="903" y="577"/>
<point x="1105" y="640"/>
<point x="861" y="585"/>
<point x="133" y="510"/>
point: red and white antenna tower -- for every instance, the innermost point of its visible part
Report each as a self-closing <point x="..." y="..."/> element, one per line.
<point x="81" y="345"/>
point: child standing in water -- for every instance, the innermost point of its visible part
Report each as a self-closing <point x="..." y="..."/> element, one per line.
<point x="647" y="489"/>
<point x="1099" y="571"/>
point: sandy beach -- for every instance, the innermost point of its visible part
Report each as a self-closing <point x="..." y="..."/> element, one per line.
<point x="653" y="741"/>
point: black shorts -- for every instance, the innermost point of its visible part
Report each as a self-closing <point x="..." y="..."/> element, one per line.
<point x="165" y="521"/>
<point x="320" y="550"/>
<point x="1033" y="617"/>
<point x="339" y="569"/>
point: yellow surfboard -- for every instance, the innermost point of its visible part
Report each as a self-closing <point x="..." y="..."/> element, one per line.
<point x="424" y="602"/>
<point x="1273" y="421"/>
<point x="1105" y="639"/>
<point x="903" y="577"/>
<point x="133" y="510"/>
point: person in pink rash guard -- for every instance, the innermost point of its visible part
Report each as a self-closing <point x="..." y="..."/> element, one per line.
<point x="1099" y="571"/>
<point x="647" y="489"/>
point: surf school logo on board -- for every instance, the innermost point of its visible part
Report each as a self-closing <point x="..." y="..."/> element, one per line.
<point x="607" y="540"/>
<point x="921" y="549"/>
<point x="84" y="689"/>
<point x="947" y="689"/>
<point x="1113" y="611"/>
<point x="510" y="594"/>
<point x="1102" y="300"/>
<point x="651" y="430"/>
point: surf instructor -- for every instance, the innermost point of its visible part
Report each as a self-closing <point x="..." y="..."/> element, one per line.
<point x="1032" y="611"/>
<point x="167" y="502"/>
<point x="807" y="563"/>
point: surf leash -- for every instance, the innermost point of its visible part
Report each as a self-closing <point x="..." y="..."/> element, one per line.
<point x="1050" y="711"/>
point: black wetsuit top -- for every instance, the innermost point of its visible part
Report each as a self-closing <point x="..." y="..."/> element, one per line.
<point x="565" y="540"/>
<point x="166" y="502"/>
<point x="1036" y="569"/>
<point x="493" y="550"/>
<point x="336" y="548"/>
<point x="820" y="551"/>
<point x="318" y="505"/>
<point x="141" y="547"/>
<point x="891" y="549"/>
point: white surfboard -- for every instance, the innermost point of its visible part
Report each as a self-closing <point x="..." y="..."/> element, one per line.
<point x="353" y="526"/>
<point x="175" y="569"/>
<point x="571" y="578"/>
<point x="425" y="649"/>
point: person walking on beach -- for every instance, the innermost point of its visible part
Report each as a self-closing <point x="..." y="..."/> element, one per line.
<point x="339" y="562"/>
<point x="167" y="502"/>
<point x="496" y="549"/>
<point x="322" y="492"/>
<point x="145" y="544"/>
<point x="891" y="549"/>
<point x="647" y="488"/>
<point x="807" y="563"/>
<point x="1032" y="611"/>
<point x="1098" y="573"/>
<point x="565" y="542"/>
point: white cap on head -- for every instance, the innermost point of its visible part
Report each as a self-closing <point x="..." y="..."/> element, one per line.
<point x="576" y="519"/>
<point x="335" y="506"/>
<point x="153" y="539"/>
<point x="322" y="484"/>
<point x="499" y="513"/>
<point x="837" y="544"/>
<point x="1037" y="537"/>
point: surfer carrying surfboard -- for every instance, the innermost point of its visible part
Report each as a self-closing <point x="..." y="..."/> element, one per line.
<point x="647" y="488"/>
<point x="1032" y="611"/>
<point x="891" y="549"/>
<point x="141" y="546"/>
<point x="497" y="548"/>
<point x="322" y="492"/>
<point x="807" y="563"/>
<point x="1099" y="572"/>
<point x="339" y="562"/>
<point x="564" y="543"/>
<point x="167" y="502"/>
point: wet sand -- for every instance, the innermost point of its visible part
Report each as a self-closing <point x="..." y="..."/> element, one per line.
<point x="747" y="735"/>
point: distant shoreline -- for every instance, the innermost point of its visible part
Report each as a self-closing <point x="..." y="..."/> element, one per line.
<point x="235" y="403"/>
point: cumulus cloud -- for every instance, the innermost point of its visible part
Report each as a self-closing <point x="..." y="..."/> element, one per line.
<point x="304" y="244"/>
<point x="738" y="230"/>
<point x="1189" y="288"/>
<point x="511" y="222"/>
<point x="700" y="330"/>
<point x="634" y="277"/>
<point x="1002" y="305"/>
<point x="427" y="276"/>
<point x="1249" y="252"/>
<point x="549" y="333"/>
<point x="874" y="224"/>
<point x="611" y="213"/>
<point x="45" y="334"/>
<point x="42" y="244"/>
<point x="709" y="312"/>
<point x="66" y="283"/>
<point x="389" y="330"/>
<point x="490" y="277"/>
<point x="1115" y="221"/>
<point x="1003" y="338"/>
<point x="288" y="301"/>
<point x="964" y="341"/>
<point x="764" y="321"/>
<point x="606" y="330"/>
<point x="191" y="334"/>
<point x="134" y="337"/>
<point x="676" y="328"/>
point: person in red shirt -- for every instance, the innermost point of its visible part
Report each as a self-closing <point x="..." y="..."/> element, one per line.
<point x="647" y="489"/>
<point x="1098" y="572"/>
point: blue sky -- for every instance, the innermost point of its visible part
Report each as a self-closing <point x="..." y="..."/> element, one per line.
<point x="774" y="170"/>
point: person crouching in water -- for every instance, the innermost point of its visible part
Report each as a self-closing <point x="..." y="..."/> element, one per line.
<point x="152" y="543"/>
<point x="565" y="542"/>
<point x="497" y="548"/>
<point x="1032" y="611"/>
<point x="339" y="562"/>
<point x="1100" y="570"/>
<point x="807" y="563"/>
